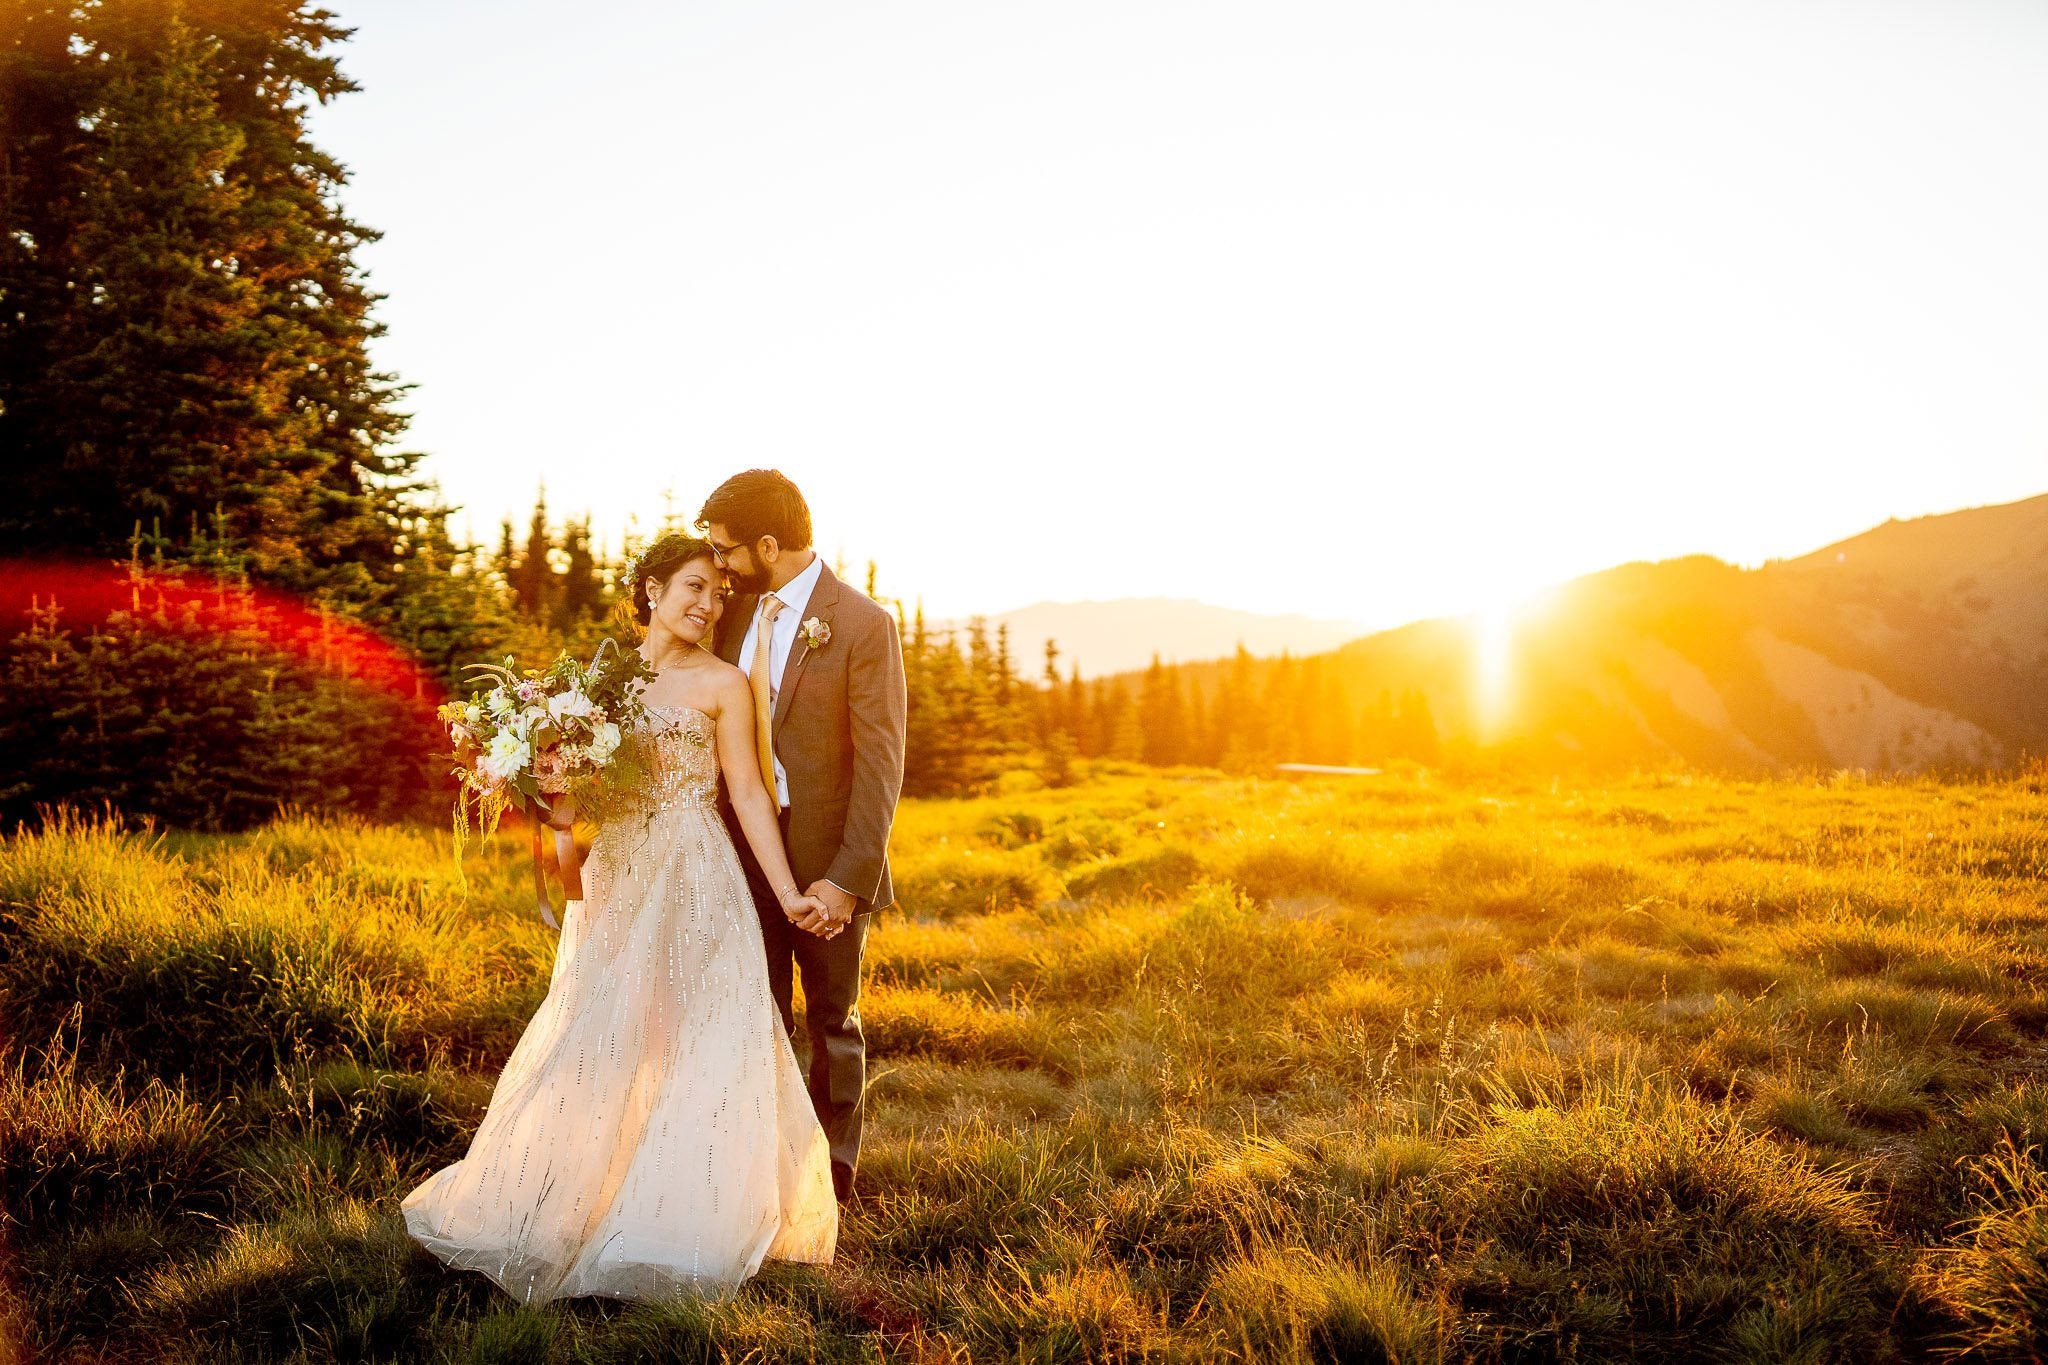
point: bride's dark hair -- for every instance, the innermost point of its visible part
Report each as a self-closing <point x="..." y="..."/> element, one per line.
<point x="656" y="564"/>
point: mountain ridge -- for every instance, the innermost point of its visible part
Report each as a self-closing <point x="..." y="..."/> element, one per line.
<point x="1915" y="645"/>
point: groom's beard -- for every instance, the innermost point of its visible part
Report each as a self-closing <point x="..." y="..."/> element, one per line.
<point x="753" y="584"/>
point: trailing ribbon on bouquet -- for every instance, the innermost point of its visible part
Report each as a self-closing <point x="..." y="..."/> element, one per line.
<point x="541" y="857"/>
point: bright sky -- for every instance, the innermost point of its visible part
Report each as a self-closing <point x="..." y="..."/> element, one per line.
<point x="1370" y="309"/>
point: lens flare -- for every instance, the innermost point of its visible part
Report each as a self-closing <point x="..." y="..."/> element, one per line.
<point x="85" y="594"/>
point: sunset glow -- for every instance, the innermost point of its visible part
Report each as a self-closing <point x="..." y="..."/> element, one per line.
<point x="1496" y="631"/>
<point x="1033" y="302"/>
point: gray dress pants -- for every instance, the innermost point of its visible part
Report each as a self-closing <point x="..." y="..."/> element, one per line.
<point x="830" y="971"/>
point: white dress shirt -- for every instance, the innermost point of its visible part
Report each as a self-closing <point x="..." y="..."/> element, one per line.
<point x="795" y="596"/>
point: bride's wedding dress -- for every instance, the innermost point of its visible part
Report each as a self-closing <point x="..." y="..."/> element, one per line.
<point x="651" y="1131"/>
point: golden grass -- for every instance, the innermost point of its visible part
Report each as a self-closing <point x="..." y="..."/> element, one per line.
<point x="1165" y="1067"/>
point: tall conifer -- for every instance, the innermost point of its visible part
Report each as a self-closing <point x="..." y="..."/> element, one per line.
<point x="184" y="324"/>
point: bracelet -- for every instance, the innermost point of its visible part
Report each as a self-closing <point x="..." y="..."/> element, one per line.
<point x="785" y="893"/>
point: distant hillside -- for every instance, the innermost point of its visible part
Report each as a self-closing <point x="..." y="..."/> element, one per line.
<point x="1116" y="637"/>
<point x="1920" y="644"/>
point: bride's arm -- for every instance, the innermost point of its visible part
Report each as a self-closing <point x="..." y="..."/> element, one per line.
<point x="751" y="800"/>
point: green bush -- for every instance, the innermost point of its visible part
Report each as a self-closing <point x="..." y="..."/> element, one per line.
<point x="1630" y="1217"/>
<point x="1158" y="871"/>
<point x="206" y="717"/>
<point x="972" y="881"/>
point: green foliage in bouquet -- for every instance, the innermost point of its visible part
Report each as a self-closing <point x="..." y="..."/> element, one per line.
<point x="524" y="741"/>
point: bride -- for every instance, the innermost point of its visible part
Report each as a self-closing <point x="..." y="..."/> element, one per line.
<point x="651" y="1132"/>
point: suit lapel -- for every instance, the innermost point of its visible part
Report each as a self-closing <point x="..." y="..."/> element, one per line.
<point x="824" y="597"/>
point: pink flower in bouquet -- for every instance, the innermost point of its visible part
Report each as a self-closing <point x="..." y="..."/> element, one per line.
<point x="551" y="770"/>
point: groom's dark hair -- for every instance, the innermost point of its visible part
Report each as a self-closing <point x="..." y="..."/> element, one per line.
<point x="756" y="503"/>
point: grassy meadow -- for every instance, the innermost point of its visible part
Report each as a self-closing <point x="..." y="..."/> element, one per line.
<point x="1165" y="1067"/>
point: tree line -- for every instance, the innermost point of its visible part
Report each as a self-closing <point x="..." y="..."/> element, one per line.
<point x="187" y="404"/>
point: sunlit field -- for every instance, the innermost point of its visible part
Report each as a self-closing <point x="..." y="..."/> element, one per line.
<point x="1164" y="1067"/>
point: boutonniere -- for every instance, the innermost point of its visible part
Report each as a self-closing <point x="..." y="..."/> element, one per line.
<point x="814" y="633"/>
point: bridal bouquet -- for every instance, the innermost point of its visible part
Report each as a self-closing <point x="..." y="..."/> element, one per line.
<point x="523" y="739"/>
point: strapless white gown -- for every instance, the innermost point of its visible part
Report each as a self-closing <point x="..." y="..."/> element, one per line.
<point x="650" y="1133"/>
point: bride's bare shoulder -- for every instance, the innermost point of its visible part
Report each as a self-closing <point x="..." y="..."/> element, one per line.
<point x="727" y="684"/>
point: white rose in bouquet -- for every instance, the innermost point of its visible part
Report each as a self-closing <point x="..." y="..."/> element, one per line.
<point x="604" y="742"/>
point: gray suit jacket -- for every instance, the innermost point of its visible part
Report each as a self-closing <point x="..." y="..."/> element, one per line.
<point x="839" y="730"/>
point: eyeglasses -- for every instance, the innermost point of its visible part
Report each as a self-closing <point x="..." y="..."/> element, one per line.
<point x="721" y="551"/>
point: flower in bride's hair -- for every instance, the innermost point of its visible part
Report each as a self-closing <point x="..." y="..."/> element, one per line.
<point x="604" y="741"/>
<point x="509" y="752"/>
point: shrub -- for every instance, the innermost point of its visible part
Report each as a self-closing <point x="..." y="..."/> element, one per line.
<point x="1301" y="1306"/>
<point x="952" y="1028"/>
<point x="1077" y="839"/>
<point x="1997" y="1281"/>
<point x="74" y="1151"/>
<point x="1158" y="871"/>
<point x="342" y="1272"/>
<point x="1299" y="865"/>
<point x="973" y="882"/>
<point x="1634" y="1214"/>
<point x="1011" y="829"/>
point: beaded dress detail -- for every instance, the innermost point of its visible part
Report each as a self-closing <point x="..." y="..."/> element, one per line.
<point x="651" y="1132"/>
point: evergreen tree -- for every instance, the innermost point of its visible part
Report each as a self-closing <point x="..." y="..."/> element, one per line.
<point x="1240" y="716"/>
<point x="532" y="577"/>
<point x="1162" y="719"/>
<point x="1051" y="717"/>
<point x="1078" y="712"/>
<point x="185" y="325"/>
<point x="583" y="596"/>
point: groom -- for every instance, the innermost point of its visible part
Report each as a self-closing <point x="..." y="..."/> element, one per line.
<point x="827" y="674"/>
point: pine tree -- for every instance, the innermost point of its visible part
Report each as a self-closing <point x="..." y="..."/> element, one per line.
<point x="186" y="327"/>
<point x="533" y="577"/>
<point x="1241" y="716"/>
<point x="582" y="597"/>
<point x="1077" y="712"/>
<point x="1162" y="719"/>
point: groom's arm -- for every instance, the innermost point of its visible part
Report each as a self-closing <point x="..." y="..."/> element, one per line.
<point x="878" y="701"/>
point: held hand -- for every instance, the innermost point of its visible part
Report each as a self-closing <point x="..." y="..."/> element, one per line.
<point x="839" y="907"/>
<point x="808" y="914"/>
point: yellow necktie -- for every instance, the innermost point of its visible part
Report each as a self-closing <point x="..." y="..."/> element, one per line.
<point x="764" y="694"/>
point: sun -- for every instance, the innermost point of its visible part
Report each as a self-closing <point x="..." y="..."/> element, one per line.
<point x="1497" y="629"/>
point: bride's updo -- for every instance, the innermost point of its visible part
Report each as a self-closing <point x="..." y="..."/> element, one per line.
<point x="656" y="564"/>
